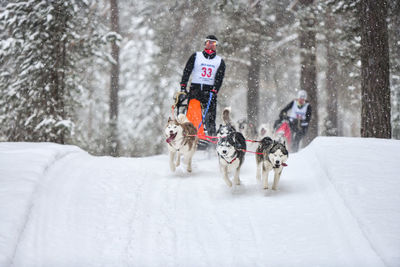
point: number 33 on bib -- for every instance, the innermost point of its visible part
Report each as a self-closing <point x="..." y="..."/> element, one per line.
<point x="205" y="69"/>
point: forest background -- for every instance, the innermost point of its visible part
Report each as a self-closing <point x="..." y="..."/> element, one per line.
<point x="102" y="74"/>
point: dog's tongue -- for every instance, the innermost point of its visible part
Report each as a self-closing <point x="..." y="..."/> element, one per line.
<point x="284" y="164"/>
<point x="170" y="138"/>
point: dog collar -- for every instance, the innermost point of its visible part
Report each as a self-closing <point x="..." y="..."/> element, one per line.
<point x="229" y="162"/>
<point x="232" y="160"/>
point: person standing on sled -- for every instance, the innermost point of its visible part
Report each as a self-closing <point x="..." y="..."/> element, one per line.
<point x="298" y="112"/>
<point x="207" y="70"/>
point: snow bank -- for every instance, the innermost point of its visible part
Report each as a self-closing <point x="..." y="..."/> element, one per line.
<point x="22" y="165"/>
<point x="365" y="172"/>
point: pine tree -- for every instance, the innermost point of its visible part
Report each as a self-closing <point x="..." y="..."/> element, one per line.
<point x="308" y="79"/>
<point x="113" y="145"/>
<point x="331" y="122"/>
<point x="375" y="111"/>
<point x="394" y="42"/>
<point x="342" y="42"/>
<point x="45" y="41"/>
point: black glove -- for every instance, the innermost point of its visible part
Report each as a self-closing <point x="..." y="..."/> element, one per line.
<point x="182" y="97"/>
<point x="183" y="88"/>
<point x="214" y="93"/>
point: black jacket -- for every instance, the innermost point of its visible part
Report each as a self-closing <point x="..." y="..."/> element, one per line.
<point x="197" y="90"/>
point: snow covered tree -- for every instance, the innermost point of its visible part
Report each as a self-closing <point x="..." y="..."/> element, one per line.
<point x="375" y="112"/>
<point x="45" y="40"/>
<point x="252" y="43"/>
<point x="308" y="78"/>
<point x="342" y="44"/>
<point x="331" y="122"/>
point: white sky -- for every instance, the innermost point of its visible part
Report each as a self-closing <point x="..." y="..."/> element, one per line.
<point x="337" y="205"/>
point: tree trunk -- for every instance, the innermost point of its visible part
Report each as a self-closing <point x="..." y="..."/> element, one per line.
<point x="253" y="77"/>
<point x="308" y="74"/>
<point x="253" y="84"/>
<point x="331" y="124"/>
<point x="394" y="48"/>
<point x="375" y="90"/>
<point x="113" y="134"/>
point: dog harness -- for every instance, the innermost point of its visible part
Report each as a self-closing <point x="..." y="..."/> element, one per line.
<point x="229" y="162"/>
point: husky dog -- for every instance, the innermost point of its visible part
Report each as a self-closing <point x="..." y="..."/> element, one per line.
<point x="247" y="129"/>
<point x="181" y="140"/>
<point x="263" y="131"/>
<point x="271" y="155"/>
<point x="280" y="137"/>
<point x="231" y="150"/>
<point x="226" y="128"/>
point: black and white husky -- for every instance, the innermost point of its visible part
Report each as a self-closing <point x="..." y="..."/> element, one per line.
<point x="181" y="139"/>
<point x="227" y="127"/>
<point x="271" y="155"/>
<point x="247" y="129"/>
<point x="231" y="150"/>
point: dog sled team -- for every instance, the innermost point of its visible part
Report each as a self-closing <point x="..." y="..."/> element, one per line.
<point x="185" y="133"/>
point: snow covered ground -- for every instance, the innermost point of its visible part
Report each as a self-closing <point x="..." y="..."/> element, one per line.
<point x="337" y="205"/>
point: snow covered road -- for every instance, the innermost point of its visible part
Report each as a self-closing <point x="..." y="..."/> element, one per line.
<point x="63" y="207"/>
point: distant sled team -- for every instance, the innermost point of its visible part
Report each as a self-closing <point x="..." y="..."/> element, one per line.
<point x="271" y="155"/>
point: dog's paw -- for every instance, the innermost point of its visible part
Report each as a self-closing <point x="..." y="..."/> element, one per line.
<point x="229" y="183"/>
<point x="265" y="187"/>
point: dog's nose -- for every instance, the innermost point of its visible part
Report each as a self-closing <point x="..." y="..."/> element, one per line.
<point x="277" y="161"/>
<point x="171" y="132"/>
<point x="223" y="151"/>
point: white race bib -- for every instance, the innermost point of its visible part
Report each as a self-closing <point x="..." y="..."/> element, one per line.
<point x="205" y="69"/>
<point x="298" y="113"/>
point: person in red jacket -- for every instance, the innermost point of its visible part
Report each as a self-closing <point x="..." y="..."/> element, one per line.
<point x="207" y="70"/>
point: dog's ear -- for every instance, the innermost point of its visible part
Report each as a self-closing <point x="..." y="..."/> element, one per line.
<point x="169" y="119"/>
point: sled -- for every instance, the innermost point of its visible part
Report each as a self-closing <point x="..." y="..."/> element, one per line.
<point x="284" y="128"/>
<point x="194" y="115"/>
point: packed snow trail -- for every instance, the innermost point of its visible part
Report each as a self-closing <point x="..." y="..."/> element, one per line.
<point x="103" y="211"/>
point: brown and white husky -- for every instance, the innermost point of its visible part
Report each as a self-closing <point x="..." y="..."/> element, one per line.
<point x="181" y="140"/>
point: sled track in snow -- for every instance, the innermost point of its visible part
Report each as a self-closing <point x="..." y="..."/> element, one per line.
<point x="34" y="194"/>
